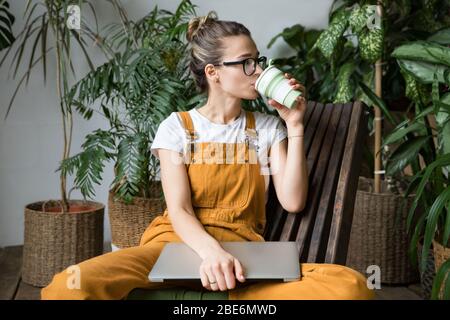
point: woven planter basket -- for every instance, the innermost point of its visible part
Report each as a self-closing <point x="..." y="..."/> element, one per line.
<point x="129" y="221"/>
<point x="54" y="241"/>
<point x="427" y="277"/>
<point x="441" y="254"/>
<point x="379" y="236"/>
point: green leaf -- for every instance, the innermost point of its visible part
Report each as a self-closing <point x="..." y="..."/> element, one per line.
<point x="376" y="101"/>
<point x="371" y="44"/>
<point x="423" y="51"/>
<point x="415" y="90"/>
<point x="441" y="160"/>
<point x="443" y="121"/>
<point x="293" y="36"/>
<point x="398" y="134"/>
<point x="441" y="275"/>
<point x="441" y="37"/>
<point x="359" y="17"/>
<point x="436" y="210"/>
<point x="447" y="288"/>
<point x="446" y="231"/>
<point x="345" y="88"/>
<point x="424" y="113"/>
<point x="6" y="22"/>
<point x="412" y="249"/>
<point x="405" y="154"/>
<point x="425" y="72"/>
<point x="329" y="38"/>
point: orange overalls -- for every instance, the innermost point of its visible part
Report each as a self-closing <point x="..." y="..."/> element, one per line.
<point x="228" y="197"/>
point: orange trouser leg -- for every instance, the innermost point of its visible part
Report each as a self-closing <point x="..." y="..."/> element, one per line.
<point x="115" y="274"/>
<point x="319" y="281"/>
<point x="109" y="276"/>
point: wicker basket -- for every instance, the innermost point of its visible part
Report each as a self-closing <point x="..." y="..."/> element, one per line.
<point x="54" y="241"/>
<point x="427" y="276"/>
<point x="441" y="254"/>
<point x="129" y="221"/>
<point x="379" y="236"/>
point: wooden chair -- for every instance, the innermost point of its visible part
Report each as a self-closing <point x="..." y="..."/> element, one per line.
<point x="333" y="142"/>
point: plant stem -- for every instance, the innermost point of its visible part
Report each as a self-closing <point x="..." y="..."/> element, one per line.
<point x="58" y="86"/>
<point x="378" y="119"/>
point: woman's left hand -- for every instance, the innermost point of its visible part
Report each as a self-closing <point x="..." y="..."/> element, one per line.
<point x="293" y="116"/>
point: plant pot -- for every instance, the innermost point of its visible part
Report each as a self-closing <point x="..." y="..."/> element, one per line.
<point x="379" y="236"/>
<point x="427" y="276"/>
<point x="129" y="221"/>
<point x="441" y="254"/>
<point x="54" y="241"/>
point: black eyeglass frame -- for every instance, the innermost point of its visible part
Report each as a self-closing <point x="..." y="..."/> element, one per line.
<point x="243" y="62"/>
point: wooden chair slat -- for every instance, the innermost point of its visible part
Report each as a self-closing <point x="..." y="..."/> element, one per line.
<point x="335" y="137"/>
<point x="275" y="219"/>
<point x="292" y="222"/>
<point x="318" y="162"/>
<point x="309" y="110"/>
<point x="311" y="127"/>
<point x="346" y="189"/>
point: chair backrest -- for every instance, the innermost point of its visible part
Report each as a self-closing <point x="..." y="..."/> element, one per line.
<point x="334" y="134"/>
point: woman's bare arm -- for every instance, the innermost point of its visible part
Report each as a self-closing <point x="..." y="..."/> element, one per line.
<point x="217" y="265"/>
<point x="177" y="193"/>
<point x="290" y="176"/>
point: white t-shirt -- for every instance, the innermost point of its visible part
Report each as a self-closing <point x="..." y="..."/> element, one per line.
<point x="171" y="135"/>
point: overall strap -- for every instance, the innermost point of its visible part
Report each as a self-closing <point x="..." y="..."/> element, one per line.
<point x="188" y="125"/>
<point x="250" y="122"/>
<point x="251" y="138"/>
<point x="250" y="129"/>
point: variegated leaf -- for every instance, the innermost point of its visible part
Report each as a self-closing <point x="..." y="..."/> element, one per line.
<point x="328" y="39"/>
<point x="371" y="44"/>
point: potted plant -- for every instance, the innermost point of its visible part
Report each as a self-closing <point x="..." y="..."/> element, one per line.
<point x="425" y="143"/>
<point x="347" y="59"/>
<point x="58" y="233"/>
<point x="145" y="80"/>
<point x="339" y="66"/>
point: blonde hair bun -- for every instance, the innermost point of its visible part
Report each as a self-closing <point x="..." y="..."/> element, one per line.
<point x="196" y="24"/>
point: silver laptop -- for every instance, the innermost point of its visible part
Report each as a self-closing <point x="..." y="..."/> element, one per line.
<point x="265" y="260"/>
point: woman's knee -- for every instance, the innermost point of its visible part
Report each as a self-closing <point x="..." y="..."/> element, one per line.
<point x="69" y="284"/>
<point x="355" y="287"/>
<point x="58" y="288"/>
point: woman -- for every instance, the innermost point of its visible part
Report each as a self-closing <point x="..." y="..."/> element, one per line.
<point x="215" y="174"/>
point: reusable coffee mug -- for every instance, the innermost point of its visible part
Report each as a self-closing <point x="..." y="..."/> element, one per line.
<point x="273" y="84"/>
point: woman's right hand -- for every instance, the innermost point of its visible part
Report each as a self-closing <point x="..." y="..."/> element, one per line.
<point x="220" y="267"/>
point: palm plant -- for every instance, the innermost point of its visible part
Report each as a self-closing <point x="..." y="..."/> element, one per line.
<point x="146" y="80"/>
<point x="425" y="66"/>
<point x="6" y="22"/>
<point x="45" y="30"/>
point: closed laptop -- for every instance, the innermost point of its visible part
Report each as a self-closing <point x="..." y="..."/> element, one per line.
<point x="261" y="260"/>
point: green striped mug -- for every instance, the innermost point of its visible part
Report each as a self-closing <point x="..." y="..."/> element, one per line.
<point x="273" y="84"/>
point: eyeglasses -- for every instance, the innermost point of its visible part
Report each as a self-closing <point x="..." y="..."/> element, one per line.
<point x="248" y="65"/>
